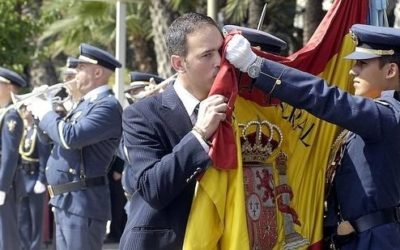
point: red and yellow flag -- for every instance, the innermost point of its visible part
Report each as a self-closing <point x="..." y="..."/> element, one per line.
<point x="220" y="211"/>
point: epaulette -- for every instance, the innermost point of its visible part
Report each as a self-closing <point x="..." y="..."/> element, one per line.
<point x="382" y="102"/>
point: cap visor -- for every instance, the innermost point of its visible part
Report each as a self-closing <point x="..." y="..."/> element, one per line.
<point x="136" y="86"/>
<point x="356" y="55"/>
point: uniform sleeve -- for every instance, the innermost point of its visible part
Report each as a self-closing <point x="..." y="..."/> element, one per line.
<point x="101" y="123"/>
<point x="363" y="116"/>
<point x="43" y="153"/>
<point x="11" y="133"/>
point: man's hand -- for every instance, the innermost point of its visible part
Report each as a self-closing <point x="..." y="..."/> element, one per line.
<point x="212" y="111"/>
<point x="39" y="107"/>
<point x="239" y="53"/>
<point x="2" y="197"/>
<point x="39" y="187"/>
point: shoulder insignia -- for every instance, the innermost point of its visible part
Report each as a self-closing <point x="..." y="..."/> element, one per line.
<point x="11" y="125"/>
<point x="382" y="102"/>
<point x="75" y="116"/>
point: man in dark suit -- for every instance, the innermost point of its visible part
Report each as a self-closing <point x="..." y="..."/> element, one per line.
<point x="166" y="137"/>
<point x="11" y="127"/>
<point x="85" y="141"/>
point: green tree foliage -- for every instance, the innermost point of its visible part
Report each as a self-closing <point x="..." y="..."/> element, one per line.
<point x="17" y="29"/>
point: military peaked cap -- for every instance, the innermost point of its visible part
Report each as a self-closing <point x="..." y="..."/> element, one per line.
<point x="141" y="80"/>
<point x="373" y="41"/>
<point x="11" y="77"/>
<point x="265" y="41"/>
<point x="94" y="55"/>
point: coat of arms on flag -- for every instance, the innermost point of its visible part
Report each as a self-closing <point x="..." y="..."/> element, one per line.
<point x="267" y="192"/>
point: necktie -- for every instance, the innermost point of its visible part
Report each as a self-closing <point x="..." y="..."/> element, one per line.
<point x="193" y="117"/>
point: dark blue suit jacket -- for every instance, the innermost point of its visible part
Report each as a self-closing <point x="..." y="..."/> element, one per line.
<point x="165" y="158"/>
<point x="368" y="179"/>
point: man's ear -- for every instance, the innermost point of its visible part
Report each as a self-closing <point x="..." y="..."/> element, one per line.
<point x="392" y="71"/>
<point x="98" y="72"/>
<point x="178" y="63"/>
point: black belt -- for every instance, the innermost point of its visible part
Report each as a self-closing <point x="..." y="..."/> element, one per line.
<point x="364" y="223"/>
<point x="76" y="185"/>
<point x="384" y="216"/>
<point x="30" y="168"/>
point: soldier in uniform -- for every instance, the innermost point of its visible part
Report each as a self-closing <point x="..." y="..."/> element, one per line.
<point x="363" y="204"/>
<point x="84" y="144"/>
<point x="140" y="83"/>
<point x="34" y="155"/>
<point x="11" y="126"/>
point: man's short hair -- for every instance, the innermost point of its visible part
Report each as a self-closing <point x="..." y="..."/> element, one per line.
<point x="181" y="27"/>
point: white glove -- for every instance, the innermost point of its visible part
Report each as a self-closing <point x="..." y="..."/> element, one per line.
<point x="239" y="53"/>
<point x="39" y="107"/>
<point x="39" y="187"/>
<point x="2" y="197"/>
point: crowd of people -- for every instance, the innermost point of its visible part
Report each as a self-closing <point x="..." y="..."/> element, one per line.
<point x="84" y="150"/>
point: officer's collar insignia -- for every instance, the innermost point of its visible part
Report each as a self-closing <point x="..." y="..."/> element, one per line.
<point x="76" y="115"/>
<point x="354" y="38"/>
<point x="263" y="143"/>
<point x="11" y="125"/>
<point x="93" y="98"/>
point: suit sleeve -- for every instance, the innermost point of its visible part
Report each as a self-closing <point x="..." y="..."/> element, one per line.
<point x="360" y="115"/>
<point x="160" y="173"/>
<point x="11" y="133"/>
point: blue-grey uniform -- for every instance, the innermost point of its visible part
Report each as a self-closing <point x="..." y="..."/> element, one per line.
<point x="11" y="127"/>
<point x="85" y="141"/>
<point x="367" y="182"/>
<point x="34" y="155"/>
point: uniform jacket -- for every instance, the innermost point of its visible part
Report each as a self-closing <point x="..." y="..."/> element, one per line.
<point x="40" y="152"/>
<point x="164" y="157"/>
<point x="90" y="134"/>
<point x="11" y="132"/>
<point x="368" y="178"/>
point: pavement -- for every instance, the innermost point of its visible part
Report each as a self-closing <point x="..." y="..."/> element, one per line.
<point x="107" y="246"/>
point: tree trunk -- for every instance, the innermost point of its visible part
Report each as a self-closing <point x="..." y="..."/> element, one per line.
<point x="313" y="15"/>
<point x="40" y="70"/>
<point x="161" y="17"/>
<point x="143" y="54"/>
<point x="279" y="20"/>
<point x="255" y="10"/>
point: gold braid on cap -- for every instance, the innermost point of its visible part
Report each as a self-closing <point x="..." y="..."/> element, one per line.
<point x="379" y="52"/>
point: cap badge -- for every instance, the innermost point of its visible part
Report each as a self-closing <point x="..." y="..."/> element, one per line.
<point x="354" y="38"/>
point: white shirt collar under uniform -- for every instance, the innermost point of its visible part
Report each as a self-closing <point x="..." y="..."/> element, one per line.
<point x="92" y="95"/>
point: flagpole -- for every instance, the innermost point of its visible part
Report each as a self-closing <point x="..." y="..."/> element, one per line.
<point x="120" y="50"/>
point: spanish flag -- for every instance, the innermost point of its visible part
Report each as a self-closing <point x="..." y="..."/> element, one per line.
<point x="222" y="214"/>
